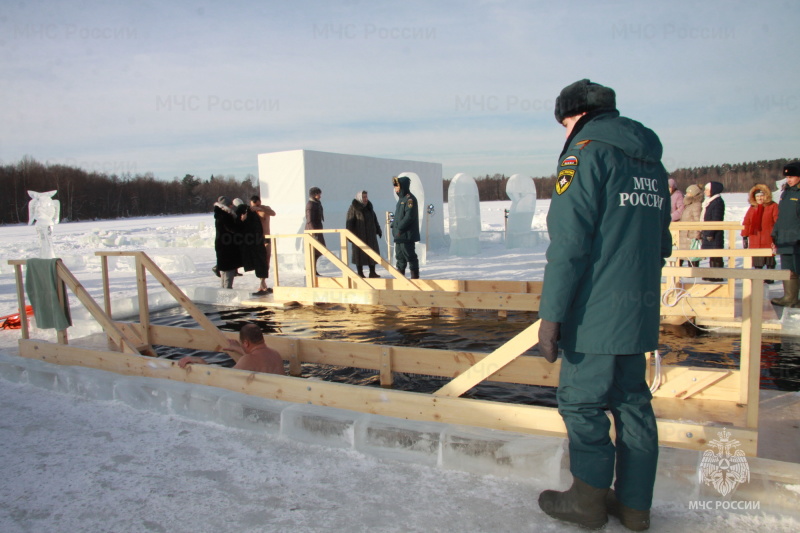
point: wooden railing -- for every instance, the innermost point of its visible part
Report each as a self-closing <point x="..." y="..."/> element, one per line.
<point x="734" y="393"/>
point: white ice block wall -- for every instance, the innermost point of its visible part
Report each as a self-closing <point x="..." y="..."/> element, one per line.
<point x="285" y="178"/>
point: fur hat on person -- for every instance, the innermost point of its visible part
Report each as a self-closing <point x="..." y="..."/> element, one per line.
<point x="223" y="200"/>
<point x="760" y="188"/>
<point x="583" y="96"/>
<point x="237" y="202"/>
<point x="792" y="169"/>
<point x="693" y="190"/>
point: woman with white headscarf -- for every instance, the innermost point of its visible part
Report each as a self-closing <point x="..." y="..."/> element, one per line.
<point x="363" y="222"/>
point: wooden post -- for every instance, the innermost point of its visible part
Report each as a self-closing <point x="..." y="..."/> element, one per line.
<point x="343" y="248"/>
<point x="386" y="367"/>
<point x="23" y="316"/>
<point x="388" y="233"/>
<point x="63" y="303"/>
<point x="273" y="250"/>
<point x="750" y="358"/>
<point x="107" y="299"/>
<point x="295" y="369"/>
<point x="311" y="268"/>
<point x="144" y="302"/>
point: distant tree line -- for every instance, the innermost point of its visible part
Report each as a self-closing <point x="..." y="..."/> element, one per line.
<point x="739" y="177"/>
<point x="88" y="195"/>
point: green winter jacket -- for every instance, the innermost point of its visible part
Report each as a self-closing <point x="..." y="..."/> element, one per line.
<point x="405" y="226"/>
<point x="608" y="224"/>
<point x="786" y="232"/>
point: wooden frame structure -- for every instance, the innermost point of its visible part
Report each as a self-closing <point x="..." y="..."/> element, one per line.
<point x="709" y="304"/>
<point x="710" y="398"/>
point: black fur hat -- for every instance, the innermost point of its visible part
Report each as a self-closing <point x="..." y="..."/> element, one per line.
<point x="792" y="169"/>
<point x="583" y="96"/>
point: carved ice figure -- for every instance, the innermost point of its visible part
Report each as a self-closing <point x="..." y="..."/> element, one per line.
<point x="522" y="192"/>
<point x="46" y="212"/>
<point x="465" y="216"/>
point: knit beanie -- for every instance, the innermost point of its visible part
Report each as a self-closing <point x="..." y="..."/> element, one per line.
<point x="583" y="96"/>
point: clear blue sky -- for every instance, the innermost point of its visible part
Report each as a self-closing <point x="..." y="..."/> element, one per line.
<point x="203" y="87"/>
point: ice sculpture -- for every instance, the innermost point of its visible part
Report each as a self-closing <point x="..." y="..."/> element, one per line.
<point x="46" y="212"/>
<point x="522" y="192"/>
<point x="465" y="216"/>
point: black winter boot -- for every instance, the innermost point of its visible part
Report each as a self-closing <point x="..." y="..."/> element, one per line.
<point x="790" y="288"/>
<point x="582" y="504"/>
<point x="414" y="274"/>
<point x="633" y="519"/>
<point x="360" y="271"/>
<point x="372" y="272"/>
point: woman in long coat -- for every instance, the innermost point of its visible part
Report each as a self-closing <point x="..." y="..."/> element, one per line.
<point x="227" y="249"/>
<point x="758" y="223"/>
<point x="363" y="222"/>
<point x="713" y="211"/>
<point x="692" y="206"/>
<point x="251" y="244"/>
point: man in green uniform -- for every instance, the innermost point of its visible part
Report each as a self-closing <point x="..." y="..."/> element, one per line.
<point x="786" y="234"/>
<point x="608" y="225"/>
<point x="405" y="227"/>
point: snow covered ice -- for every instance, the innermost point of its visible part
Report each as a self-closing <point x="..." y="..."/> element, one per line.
<point x="86" y="450"/>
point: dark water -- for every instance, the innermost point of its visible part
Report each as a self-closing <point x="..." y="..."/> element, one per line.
<point x="478" y="331"/>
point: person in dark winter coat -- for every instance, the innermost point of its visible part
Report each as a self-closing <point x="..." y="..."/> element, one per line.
<point x="713" y="211"/>
<point x="363" y="222"/>
<point x="250" y="237"/>
<point x="758" y="224"/>
<point x="405" y="227"/>
<point x="225" y="245"/>
<point x="609" y="237"/>
<point x="786" y="234"/>
<point x="315" y="216"/>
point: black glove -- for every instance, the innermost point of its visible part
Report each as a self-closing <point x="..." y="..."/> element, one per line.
<point x="549" y="334"/>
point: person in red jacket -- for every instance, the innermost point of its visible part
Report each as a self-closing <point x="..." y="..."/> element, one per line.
<point x="758" y="223"/>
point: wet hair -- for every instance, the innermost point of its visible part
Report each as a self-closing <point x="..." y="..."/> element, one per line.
<point x="313" y="191"/>
<point x="251" y="333"/>
<point x="255" y="198"/>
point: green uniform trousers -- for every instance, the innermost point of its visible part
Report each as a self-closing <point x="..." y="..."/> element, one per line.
<point x="405" y="254"/>
<point x="588" y="385"/>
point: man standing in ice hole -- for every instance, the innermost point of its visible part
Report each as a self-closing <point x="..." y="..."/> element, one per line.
<point x="405" y="227"/>
<point x="608" y="225"/>
<point x="255" y="355"/>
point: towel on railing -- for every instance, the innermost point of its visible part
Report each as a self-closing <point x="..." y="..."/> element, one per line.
<point x="40" y="283"/>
